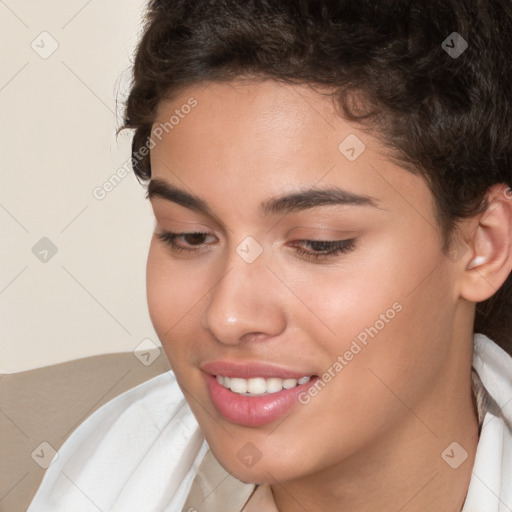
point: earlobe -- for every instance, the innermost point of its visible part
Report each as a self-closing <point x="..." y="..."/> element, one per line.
<point x="491" y="244"/>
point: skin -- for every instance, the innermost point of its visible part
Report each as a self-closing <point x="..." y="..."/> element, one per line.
<point x="372" y="438"/>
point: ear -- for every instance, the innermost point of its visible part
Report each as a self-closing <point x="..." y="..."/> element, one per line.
<point x="488" y="261"/>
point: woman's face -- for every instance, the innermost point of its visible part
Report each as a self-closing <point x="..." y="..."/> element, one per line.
<point x="373" y="323"/>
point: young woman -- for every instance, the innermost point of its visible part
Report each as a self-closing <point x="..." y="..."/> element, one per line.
<point x="329" y="274"/>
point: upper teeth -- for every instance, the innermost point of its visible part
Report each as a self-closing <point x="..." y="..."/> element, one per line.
<point x="258" y="385"/>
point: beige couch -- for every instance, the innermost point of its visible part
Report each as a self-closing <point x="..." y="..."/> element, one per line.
<point x="45" y="405"/>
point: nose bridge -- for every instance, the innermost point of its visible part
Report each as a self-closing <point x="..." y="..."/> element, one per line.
<point x="242" y="301"/>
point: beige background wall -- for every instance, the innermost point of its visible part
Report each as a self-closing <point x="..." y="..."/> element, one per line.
<point x="63" y="64"/>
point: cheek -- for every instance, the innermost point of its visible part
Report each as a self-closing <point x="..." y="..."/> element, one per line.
<point x="160" y="295"/>
<point x="404" y="346"/>
<point x="175" y="293"/>
<point x="171" y="289"/>
<point x="391" y="305"/>
<point x="170" y="295"/>
<point x="366" y="289"/>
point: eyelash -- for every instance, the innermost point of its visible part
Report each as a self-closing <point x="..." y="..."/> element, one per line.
<point x="337" y="246"/>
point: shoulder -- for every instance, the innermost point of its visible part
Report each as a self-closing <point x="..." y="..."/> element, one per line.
<point x="147" y="433"/>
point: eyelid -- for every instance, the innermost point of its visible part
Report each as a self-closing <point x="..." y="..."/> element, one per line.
<point x="162" y="208"/>
<point x="325" y="233"/>
<point x="187" y="227"/>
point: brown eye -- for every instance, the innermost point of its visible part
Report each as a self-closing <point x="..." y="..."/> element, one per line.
<point x="194" y="239"/>
<point x="326" y="248"/>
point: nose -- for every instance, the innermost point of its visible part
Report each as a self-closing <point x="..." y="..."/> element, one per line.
<point x="245" y="303"/>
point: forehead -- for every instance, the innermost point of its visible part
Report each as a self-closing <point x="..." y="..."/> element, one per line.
<point x="265" y="108"/>
<point x="265" y="138"/>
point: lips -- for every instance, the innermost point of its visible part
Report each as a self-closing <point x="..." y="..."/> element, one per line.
<point x="253" y="411"/>
<point x="250" y="370"/>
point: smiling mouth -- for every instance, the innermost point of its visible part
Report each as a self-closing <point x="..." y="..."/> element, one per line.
<point x="259" y="386"/>
<point x="256" y="401"/>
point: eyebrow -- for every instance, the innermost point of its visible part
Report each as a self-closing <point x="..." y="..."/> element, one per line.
<point x="293" y="202"/>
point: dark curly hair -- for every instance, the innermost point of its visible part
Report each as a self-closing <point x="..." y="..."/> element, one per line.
<point x="446" y="116"/>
